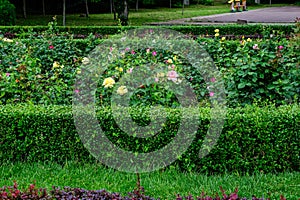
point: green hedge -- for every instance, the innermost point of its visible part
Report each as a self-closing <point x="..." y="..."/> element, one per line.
<point x="253" y="139"/>
<point x="21" y="31"/>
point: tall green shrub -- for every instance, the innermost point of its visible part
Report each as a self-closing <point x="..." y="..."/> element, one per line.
<point x="7" y="13"/>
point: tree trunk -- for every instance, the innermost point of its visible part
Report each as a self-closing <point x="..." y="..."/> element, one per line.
<point x="111" y="6"/>
<point x="87" y="8"/>
<point x="182" y="6"/>
<point x="137" y="5"/>
<point x="123" y="11"/>
<point x="24" y="9"/>
<point x="64" y="12"/>
<point x="44" y="12"/>
<point x="114" y="9"/>
<point x="170" y="3"/>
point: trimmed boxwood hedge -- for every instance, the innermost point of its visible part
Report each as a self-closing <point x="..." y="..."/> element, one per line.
<point x="253" y="138"/>
<point x="23" y="31"/>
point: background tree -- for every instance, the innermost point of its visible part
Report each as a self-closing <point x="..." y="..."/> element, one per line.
<point x="86" y="8"/>
<point x="122" y="11"/>
<point x="64" y="12"/>
<point x="43" y="5"/>
<point x="7" y="13"/>
<point x="137" y="5"/>
<point x="24" y="9"/>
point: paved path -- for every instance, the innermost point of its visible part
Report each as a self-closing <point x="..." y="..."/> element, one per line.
<point x="271" y="15"/>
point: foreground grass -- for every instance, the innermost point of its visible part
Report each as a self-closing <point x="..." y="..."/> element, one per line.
<point x="136" y="18"/>
<point x="157" y="184"/>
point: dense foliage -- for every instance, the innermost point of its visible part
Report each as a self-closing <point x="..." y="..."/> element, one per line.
<point x="42" y="69"/>
<point x="7" y="13"/>
<point x="266" y="69"/>
<point x="253" y="139"/>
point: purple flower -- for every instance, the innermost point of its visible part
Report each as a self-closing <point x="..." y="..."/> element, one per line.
<point x="213" y="79"/>
<point x="154" y="53"/>
<point x="7" y="74"/>
<point x="76" y="91"/>
<point x="211" y="94"/>
<point x="280" y="47"/>
<point x="132" y="52"/>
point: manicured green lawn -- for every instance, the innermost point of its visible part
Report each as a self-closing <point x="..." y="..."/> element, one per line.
<point x="157" y="184"/>
<point x="136" y="18"/>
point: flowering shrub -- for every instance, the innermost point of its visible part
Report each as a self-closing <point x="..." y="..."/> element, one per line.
<point x="42" y="70"/>
<point x="164" y="67"/>
<point x="39" y="71"/>
<point x="265" y="69"/>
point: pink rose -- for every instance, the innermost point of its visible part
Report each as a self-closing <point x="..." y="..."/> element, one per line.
<point x="130" y="70"/>
<point x="172" y="75"/>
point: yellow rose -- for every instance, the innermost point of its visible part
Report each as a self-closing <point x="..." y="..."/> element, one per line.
<point x="249" y="40"/>
<point x="7" y="40"/>
<point x="120" y="69"/>
<point x="217" y="30"/>
<point x="217" y="34"/>
<point x="78" y="71"/>
<point x="169" y="60"/>
<point x="223" y="38"/>
<point x="85" y="61"/>
<point x="122" y="90"/>
<point x="108" y="82"/>
<point x="55" y="64"/>
<point x="160" y="75"/>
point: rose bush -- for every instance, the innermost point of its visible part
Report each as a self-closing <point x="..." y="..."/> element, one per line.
<point x="265" y="69"/>
<point x="43" y="70"/>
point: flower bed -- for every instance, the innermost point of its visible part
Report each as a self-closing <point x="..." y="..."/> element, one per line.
<point x="13" y="192"/>
<point x="42" y="71"/>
